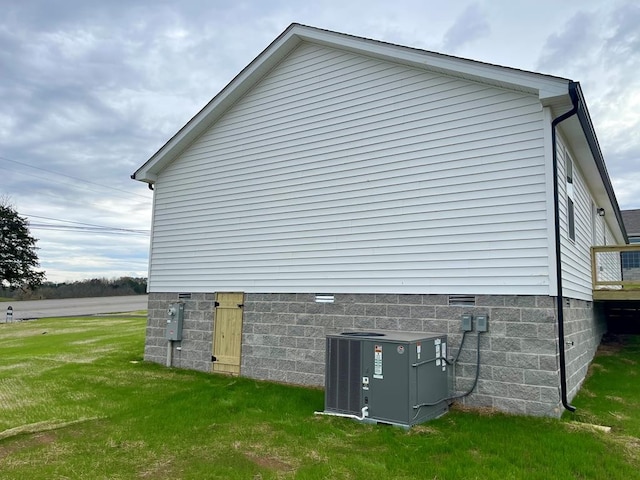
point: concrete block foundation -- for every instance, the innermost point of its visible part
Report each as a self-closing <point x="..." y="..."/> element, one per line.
<point x="283" y="339"/>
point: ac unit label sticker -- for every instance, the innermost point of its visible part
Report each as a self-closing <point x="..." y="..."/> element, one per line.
<point x="444" y="356"/>
<point x="377" y="362"/>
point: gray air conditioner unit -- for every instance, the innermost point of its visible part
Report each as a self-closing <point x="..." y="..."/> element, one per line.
<point x="399" y="378"/>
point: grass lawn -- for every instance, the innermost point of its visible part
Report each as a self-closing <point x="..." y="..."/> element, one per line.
<point x="78" y="402"/>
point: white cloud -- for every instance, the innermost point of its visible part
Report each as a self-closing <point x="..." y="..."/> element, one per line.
<point x="468" y="27"/>
<point x="600" y="47"/>
<point x="626" y="187"/>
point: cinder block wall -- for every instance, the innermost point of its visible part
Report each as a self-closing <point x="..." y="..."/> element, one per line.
<point x="194" y="351"/>
<point x="284" y="340"/>
<point x="584" y="327"/>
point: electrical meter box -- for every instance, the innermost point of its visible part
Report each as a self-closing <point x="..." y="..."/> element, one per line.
<point x="402" y="377"/>
<point x="175" y="318"/>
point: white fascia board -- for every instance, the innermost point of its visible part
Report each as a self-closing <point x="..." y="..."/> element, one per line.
<point x="549" y="89"/>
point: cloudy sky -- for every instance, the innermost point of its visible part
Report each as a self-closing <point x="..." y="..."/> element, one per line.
<point x="90" y="89"/>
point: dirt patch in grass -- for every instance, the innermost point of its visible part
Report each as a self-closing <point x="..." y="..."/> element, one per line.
<point x="614" y="398"/>
<point x="158" y="468"/>
<point x="36" y="439"/>
<point x="40" y="428"/>
<point x="423" y="430"/>
<point x="270" y="463"/>
<point x="629" y="445"/>
<point x="620" y="417"/>
<point x="598" y="367"/>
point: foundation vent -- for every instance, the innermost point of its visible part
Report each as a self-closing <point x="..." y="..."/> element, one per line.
<point x="462" y="301"/>
<point x="324" y="298"/>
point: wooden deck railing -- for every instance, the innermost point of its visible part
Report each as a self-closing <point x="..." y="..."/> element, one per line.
<point x="615" y="271"/>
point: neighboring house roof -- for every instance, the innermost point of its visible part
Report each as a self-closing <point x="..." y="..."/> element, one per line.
<point x="632" y="222"/>
<point x="552" y="92"/>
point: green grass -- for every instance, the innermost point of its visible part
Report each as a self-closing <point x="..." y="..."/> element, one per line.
<point x="78" y="402"/>
<point x="611" y="394"/>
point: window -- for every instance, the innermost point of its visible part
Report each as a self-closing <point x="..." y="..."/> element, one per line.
<point x="630" y="260"/>
<point x="571" y="216"/>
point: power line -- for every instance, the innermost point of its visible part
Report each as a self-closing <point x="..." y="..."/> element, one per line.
<point x="94" y="230"/>
<point x="81" y="226"/>
<point x="71" y="177"/>
<point x="61" y="197"/>
<point x="80" y="223"/>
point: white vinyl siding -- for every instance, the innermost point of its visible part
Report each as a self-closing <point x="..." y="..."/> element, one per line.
<point x="599" y="229"/>
<point x="576" y="253"/>
<point x="341" y="173"/>
<point x="569" y="185"/>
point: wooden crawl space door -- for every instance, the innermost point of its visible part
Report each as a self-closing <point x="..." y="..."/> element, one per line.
<point x="227" y="332"/>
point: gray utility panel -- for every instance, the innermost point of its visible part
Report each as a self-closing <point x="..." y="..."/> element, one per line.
<point x="175" y="319"/>
<point x="401" y="377"/>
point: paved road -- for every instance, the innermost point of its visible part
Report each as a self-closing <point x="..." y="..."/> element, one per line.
<point x="68" y="307"/>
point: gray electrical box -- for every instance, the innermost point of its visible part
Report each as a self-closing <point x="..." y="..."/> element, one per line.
<point x="481" y="323"/>
<point x="175" y="318"/>
<point x="467" y="322"/>
<point x="401" y="377"/>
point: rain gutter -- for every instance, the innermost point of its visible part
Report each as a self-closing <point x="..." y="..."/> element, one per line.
<point x="573" y="93"/>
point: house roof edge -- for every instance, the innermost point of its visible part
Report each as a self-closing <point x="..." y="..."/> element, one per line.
<point x="550" y="89"/>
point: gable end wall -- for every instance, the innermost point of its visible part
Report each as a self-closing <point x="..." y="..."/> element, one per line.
<point x="344" y="173"/>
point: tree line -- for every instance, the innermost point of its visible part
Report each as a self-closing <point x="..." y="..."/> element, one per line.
<point x="96" y="287"/>
<point x="22" y="279"/>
